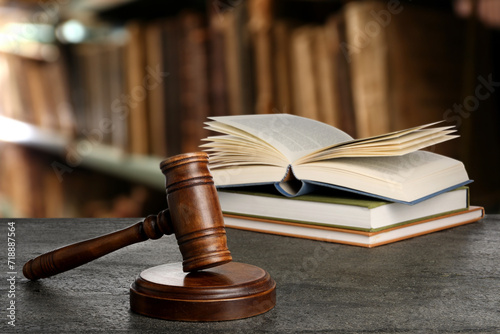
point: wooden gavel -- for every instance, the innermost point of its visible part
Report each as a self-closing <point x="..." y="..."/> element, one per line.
<point x="193" y="215"/>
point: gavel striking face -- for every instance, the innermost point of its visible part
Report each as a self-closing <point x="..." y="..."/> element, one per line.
<point x="193" y="214"/>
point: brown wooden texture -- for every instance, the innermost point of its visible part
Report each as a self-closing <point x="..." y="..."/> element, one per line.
<point x="195" y="209"/>
<point x="75" y="255"/>
<point x="194" y="215"/>
<point x="227" y="292"/>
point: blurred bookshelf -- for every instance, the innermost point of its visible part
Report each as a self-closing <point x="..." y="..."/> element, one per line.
<point x="143" y="169"/>
<point x="94" y="94"/>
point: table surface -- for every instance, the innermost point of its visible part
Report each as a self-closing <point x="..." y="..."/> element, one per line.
<point x="448" y="281"/>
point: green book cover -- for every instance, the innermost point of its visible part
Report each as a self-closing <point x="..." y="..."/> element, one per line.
<point x="339" y="198"/>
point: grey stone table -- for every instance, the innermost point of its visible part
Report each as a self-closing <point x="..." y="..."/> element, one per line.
<point x="444" y="282"/>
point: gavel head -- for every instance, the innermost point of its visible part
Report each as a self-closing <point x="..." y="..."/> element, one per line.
<point x="195" y="212"/>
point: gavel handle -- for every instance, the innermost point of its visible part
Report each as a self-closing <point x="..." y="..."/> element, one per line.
<point x="72" y="256"/>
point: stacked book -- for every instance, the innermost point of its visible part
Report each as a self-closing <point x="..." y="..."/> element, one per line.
<point x="354" y="220"/>
<point x="288" y="175"/>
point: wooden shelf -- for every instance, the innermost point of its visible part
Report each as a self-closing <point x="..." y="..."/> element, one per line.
<point x="17" y="132"/>
<point x="104" y="158"/>
<point x="136" y="168"/>
<point x="98" y="5"/>
<point x="6" y="208"/>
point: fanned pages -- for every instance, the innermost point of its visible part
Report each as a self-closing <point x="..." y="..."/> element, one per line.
<point x="295" y="152"/>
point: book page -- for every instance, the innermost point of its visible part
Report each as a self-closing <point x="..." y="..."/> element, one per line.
<point x="390" y="144"/>
<point x="394" y="169"/>
<point x="292" y="135"/>
<point x="404" y="178"/>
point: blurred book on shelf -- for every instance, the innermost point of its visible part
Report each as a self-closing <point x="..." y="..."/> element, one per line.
<point x="141" y="77"/>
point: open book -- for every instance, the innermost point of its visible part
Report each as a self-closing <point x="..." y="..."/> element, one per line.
<point x="297" y="153"/>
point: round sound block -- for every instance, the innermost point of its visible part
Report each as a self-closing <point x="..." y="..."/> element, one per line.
<point x="226" y="292"/>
